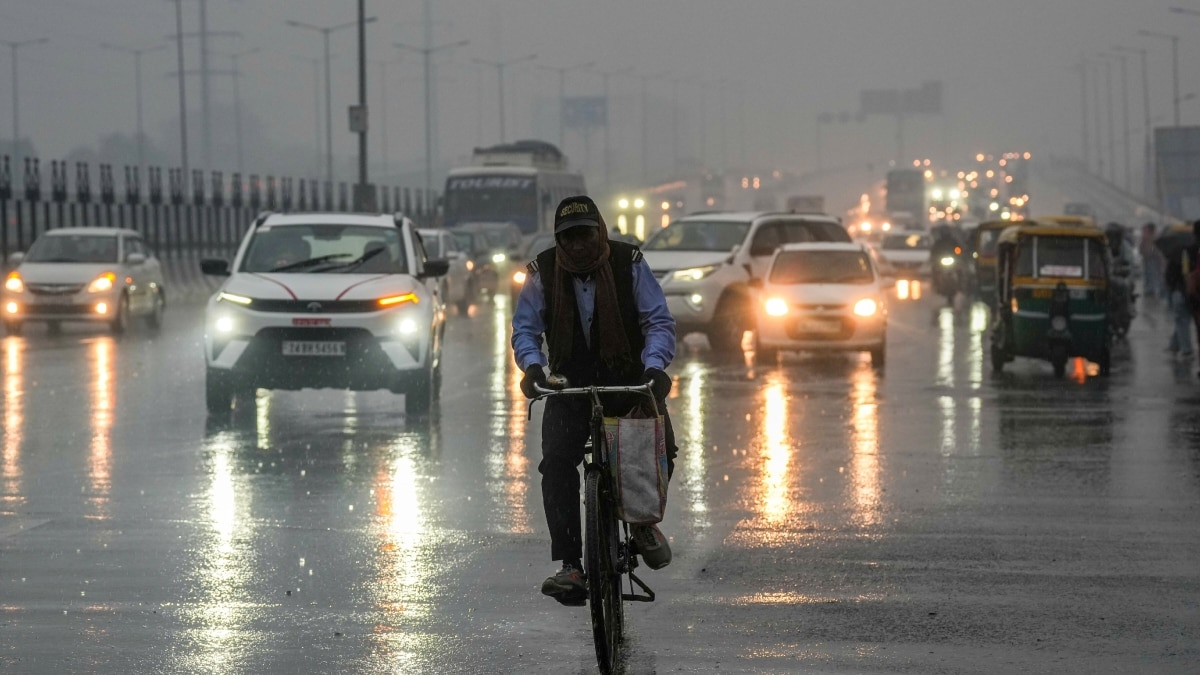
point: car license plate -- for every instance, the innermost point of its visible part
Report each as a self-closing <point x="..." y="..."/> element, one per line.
<point x="824" y="326"/>
<point x="57" y="300"/>
<point x="322" y="348"/>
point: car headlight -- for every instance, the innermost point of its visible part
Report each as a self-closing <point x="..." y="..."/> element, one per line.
<point x="14" y="283"/>
<point x="12" y="308"/>
<point x="776" y="307"/>
<point x="224" y="324"/>
<point x="639" y="203"/>
<point x="866" y="307"/>
<point x="694" y="273"/>
<point x="407" y="327"/>
<point x="102" y="283"/>
<point x="234" y="298"/>
<point x="623" y="203"/>
<point x="499" y="257"/>
<point x="948" y="261"/>
<point x="519" y="277"/>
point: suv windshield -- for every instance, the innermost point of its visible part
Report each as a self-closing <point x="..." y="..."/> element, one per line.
<point x="821" y="267"/>
<point x="326" y="249"/>
<point x="906" y="242"/>
<point x="73" y="248"/>
<point x="698" y="235"/>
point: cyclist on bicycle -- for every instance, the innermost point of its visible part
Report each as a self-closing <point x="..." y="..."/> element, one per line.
<point x="606" y="323"/>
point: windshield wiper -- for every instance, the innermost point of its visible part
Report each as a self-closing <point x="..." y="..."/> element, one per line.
<point x="311" y="262"/>
<point x="356" y="262"/>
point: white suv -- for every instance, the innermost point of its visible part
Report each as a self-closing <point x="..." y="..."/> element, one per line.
<point x="705" y="262"/>
<point x="324" y="300"/>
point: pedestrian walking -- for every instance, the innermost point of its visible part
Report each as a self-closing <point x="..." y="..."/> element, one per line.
<point x="1152" y="264"/>
<point x="1179" y="251"/>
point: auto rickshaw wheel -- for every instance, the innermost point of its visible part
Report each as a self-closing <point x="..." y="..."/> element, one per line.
<point x="1058" y="359"/>
<point x="998" y="359"/>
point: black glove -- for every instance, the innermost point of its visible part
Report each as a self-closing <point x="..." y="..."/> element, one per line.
<point x="660" y="383"/>
<point x="534" y="374"/>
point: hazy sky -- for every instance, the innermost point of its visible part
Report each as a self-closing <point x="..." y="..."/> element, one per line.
<point x="1008" y="69"/>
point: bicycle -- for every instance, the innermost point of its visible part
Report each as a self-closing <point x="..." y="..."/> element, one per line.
<point x="608" y="550"/>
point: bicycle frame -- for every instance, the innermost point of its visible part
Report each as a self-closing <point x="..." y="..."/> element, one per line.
<point x="609" y="554"/>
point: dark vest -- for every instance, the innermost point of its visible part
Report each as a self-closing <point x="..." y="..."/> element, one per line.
<point x="585" y="367"/>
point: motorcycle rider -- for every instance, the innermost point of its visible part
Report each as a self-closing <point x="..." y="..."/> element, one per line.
<point x="946" y="259"/>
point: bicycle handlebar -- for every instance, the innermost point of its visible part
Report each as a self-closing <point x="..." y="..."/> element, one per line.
<point x="579" y="391"/>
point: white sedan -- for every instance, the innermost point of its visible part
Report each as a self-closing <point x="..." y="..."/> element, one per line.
<point x="323" y="300"/>
<point x="94" y="274"/>
<point x="908" y="254"/>
<point x="820" y="297"/>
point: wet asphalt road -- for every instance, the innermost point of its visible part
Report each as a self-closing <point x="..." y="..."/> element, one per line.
<point x="825" y="518"/>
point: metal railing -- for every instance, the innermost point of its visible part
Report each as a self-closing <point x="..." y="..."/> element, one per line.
<point x="204" y="216"/>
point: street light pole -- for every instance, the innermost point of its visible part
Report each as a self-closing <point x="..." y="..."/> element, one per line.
<point x="1083" y="89"/>
<point x="1148" y="140"/>
<point x="325" y="32"/>
<point x="237" y="101"/>
<point x="425" y="53"/>
<point x="500" y="66"/>
<point x="562" y="95"/>
<point x="183" y="134"/>
<point x="137" y="89"/>
<point x="1112" y="134"/>
<point x="14" y="46"/>
<point x="1174" y="59"/>
<point x="1117" y="54"/>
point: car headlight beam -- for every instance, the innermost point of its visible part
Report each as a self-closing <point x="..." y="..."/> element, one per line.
<point x="776" y="307"/>
<point x="694" y="273"/>
<point x="102" y="283"/>
<point x="866" y="307"/>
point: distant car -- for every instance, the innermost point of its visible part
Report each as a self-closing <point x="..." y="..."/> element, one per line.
<point x="705" y="263"/>
<point x="907" y="253"/>
<point x="490" y="246"/>
<point x="535" y="245"/>
<point x="822" y="297"/>
<point x="96" y="274"/>
<point x="325" y="300"/>
<point x="458" y="286"/>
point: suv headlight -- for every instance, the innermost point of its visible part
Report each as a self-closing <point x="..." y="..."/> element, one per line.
<point x="694" y="273"/>
<point x="865" y="307"/>
<point x="234" y="298"/>
<point x="102" y="283"/>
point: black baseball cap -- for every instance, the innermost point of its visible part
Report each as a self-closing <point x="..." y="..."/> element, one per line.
<point x="574" y="212"/>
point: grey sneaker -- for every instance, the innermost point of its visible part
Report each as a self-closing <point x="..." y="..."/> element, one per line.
<point x="568" y="586"/>
<point x="652" y="545"/>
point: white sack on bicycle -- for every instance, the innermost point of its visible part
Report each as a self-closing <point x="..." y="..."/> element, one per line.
<point x="637" y="456"/>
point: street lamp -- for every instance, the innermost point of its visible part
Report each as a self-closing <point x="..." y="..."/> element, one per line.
<point x="500" y="66"/>
<point x="425" y="52"/>
<point x="1174" y="59"/>
<point x="1143" y="53"/>
<point x="605" y="74"/>
<point x="236" y="73"/>
<point x="137" y="88"/>
<point x="14" y="46"/>
<point x="325" y="32"/>
<point x="562" y="95"/>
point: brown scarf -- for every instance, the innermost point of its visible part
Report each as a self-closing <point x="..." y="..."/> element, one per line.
<point x="614" y="344"/>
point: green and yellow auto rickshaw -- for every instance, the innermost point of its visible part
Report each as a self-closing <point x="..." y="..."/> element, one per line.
<point x="984" y="241"/>
<point x="1052" y="296"/>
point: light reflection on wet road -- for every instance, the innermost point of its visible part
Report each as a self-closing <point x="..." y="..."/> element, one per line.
<point x="825" y="517"/>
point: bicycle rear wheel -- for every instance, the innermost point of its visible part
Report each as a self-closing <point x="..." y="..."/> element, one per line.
<point x="604" y="580"/>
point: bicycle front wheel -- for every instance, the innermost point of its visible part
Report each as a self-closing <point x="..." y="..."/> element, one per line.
<point x="604" y="580"/>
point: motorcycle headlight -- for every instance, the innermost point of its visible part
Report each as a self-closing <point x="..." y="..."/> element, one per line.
<point x="102" y="283"/>
<point x="499" y="257"/>
<point x="694" y="273"/>
<point x="948" y="261"/>
<point x="865" y="307"/>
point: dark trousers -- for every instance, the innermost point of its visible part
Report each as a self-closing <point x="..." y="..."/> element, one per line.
<point x="566" y="425"/>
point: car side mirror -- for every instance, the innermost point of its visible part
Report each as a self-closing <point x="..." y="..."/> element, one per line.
<point x="435" y="268"/>
<point x="135" y="259"/>
<point x="215" y="267"/>
<point x="16" y="258"/>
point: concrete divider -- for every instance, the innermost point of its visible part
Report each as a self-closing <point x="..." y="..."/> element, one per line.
<point x="186" y="284"/>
